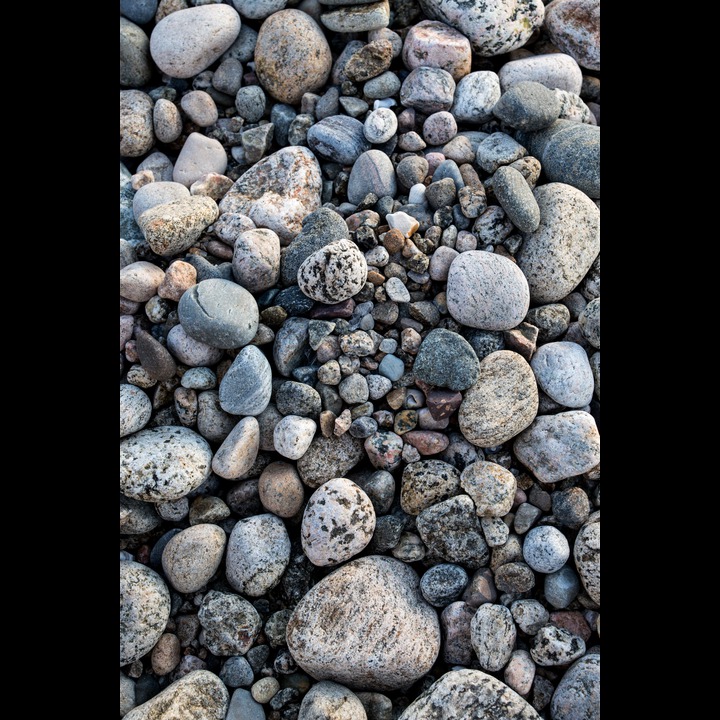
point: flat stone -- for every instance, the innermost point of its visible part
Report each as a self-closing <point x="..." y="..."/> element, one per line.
<point x="329" y="457"/>
<point x="562" y="370"/>
<point x="338" y="138"/>
<point x="192" y="556"/>
<point x="155" y="358"/>
<point x="334" y="273"/>
<point x="238" y="452"/>
<point x="491" y="487"/>
<point x="554" y="70"/>
<point x="246" y="387"/>
<point x="291" y="343"/>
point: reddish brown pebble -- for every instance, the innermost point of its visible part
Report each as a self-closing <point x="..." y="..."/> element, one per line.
<point x="327" y="423"/>
<point x="443" y="403"/>
<point x="522" y="339"/>
<point x="375" y="278"/>
<point x="281" y="490"/>
<point x="394" y="241"/>
<point x="342" y="309"/>
<point x="573" y="621"/>
<point x="178" y="278"/>
<point x="427" y="442"/>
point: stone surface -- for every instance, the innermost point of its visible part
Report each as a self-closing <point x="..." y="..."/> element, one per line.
<point x="334" y="273"/>
<point x="491" y="487"/>
<point x="427" y="482"/>
<point x="281" y="490"/>
<point x="586" y="553"/>
<point x="329" y="699"/>
<point x="338" y="138"/>
<point x="577" y="696"/>
<point x="192" y="556"/>
<point x="329" y="457"/>
<point x="136" y="123"/>
<point x="358" y="18"/>
<point x="554" y="70"/>
<point x="475" y="97"/>
<point x="135" y="68"/>
<point x="516" y="198"/>
<point x="246" y="387"/>
<point x="446" y="359"/>
<point x="554" y="646"/>
<point x="492" y="633"/>
<point x="573" y="26"/>
<point x="430" y="43"/>
<point x="563" y="371"/>
<point x="230" y="623"/>
<point x="572" y="156"/>
<point x="428" y="90"/>
<point x="528" y="105"/>
<point x="292" y="436"/>
<point x="378" y="633"/>
<point x="157" y="193"/>
<point x="256" y="259"/>
<point x="545" y="549"/>
<point x="372" y="172"/>
<point x="236" y="456"/>
<point x="135" y="409"/>
<point x="200" y="155"/>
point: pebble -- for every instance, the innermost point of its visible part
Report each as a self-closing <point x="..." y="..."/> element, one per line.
<point x="135" y="409"/>
<point x="135" y="68"/>
<point x="503" y="401"/>
<point x="163" y="463"/>
<point x="561" y="587"/>
<point x="439" y="128"/>
<point x="190" y="351"/>
<point x="265" y="689"/>
<point x="380" y="125"/>
<point x="404" y="223"/>
<point x="292" y="56"/>
<point x="554" y="646"/>
<point x="227" y="78"/>
<point x="144" y="610"/>
<point x="334" y="273"/>
<point x="166" y="654"/>
<point x="236" y="456"/>
<point x="136" y="517"/>
<point x="428" y="90"/>
<point x="329" y="457"/>
<point x="244" y="707"/>
<point x="447" y="360"/>
<point x="430" y="43"/>
<point x="383" y="86"/>
<point x="589" y="321"/>
<point x="493" y="633"/>
<point x="487" y="291"/>
<point x="526" y="516"/>
<point x="256" y="259"/>
<point x="136" y="123"/>
<point x="384" y="449"/>
<point x="191" y="557"/>
<point x="372" y="172"/>
<point x="529" y="614"/>
<point x="199" y="693"/>
<point x="369" y="61"/>
<point x="236" y="672"/>
<point x="427" y="482"/>
<point x="157" y="193"/>
<point x="555" y="447"/>
<point x="365" y="625"/>
<point x="159" y="165"/>
<point x="554" y="70"/>
<point x="555" y="257"/>
<point x="572" y="156"/>
<point x="200" y="108"/>
<point x="546" y="549"/>
<point x="516" y="198"/>
<point x="562" y="370"/>
<point x="443" y="583"/>
<point x="292" y="436"/>
<point x="328" y="699"/>
<point x="475" y="97"/>
<point x="528" y="105"/>
<point x="520" y="672"/>
<point x="498" y="149"/>
<point x="573" y="26"/>
<point x="396" y="290"/>
<point x="358" y="18"/>
<point x="392" y="367"/>
<point x="578" y="693"/>
<point x="586" y="553"/>
<point x="339" y="138"/>
<point x="552" y="320"/>
<point x="354" y="389"/>
<point x="230" y="623"/>
<point x="258" y="553"/>
<point x="200" y="155"/>
<point x="188" y="41"/>
<point x="491" y="487"/>
<point x="139" y="11"/>
<point x="281" y="490"/>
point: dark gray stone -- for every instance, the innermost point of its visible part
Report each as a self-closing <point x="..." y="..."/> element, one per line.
<point x="339" y="138"/>
<point x="484" y="342"/>
<point x="443" y="583"/>
<point x="572" y="156"/>
<point x="247" y="385"/>
<point x="446" y="359"/>
<point x="281" y="116"/>
<point x="577" y="696"/>
<point x="528" y="105"/>
<point x="551" y="320"/>
<point x="295" y="398"/>
<point x="498" y="149"/>
<point x="411" y="170"/>
<point x="291" y="344"/>
<point x="440" y="193"/>
<point x="449" y="169"/>
<point x="236" y="672"/>
<point x="516" y="198"/>
<point x="372" y="172"/>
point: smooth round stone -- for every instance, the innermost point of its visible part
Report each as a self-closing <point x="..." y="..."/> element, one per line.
<point x="173" y="227"/>
<point x="503" y="401"/>
<point x="428" y="89"/>
<point x="357" y="18"/>
<point x="246" y="387"/>
<point x="291" y="342"/>
<point x="157" y="193"/>
<point x="140" y="280"/>
<point x="328" y="699"/>
<point x="491" y="487"/>
<point x="520" y="672"/>
<point x="199" y="694"/>
<point x="493" y="633"/>
<point x="292" y="56"/>
<point x="469" y="695"/>
<point x="545" y="549"/>
<point x="427" y="482"/>
<point x="192" y="556"/>
<point x="139" y="11"/>
<point x="328" y="458"/>
<point x="220" y="313"/>
<point x="135" y="68"/>
<point x="258" y="553"/>
<point x="563" y="372"/>
<point x="439" y="128"/>
<point x="334" y="273"/>
<point x="213" y="423"/>
<point x="156" y="360"/>
<point x="258" y="9"/>
<point x="487" y="291"/>
<point x="189" y="40"/>
<point x="135" y="409"/>
<point x="199" y="156"/>
<point x="230" y="623"/>
<point x="199" y="378"/>
<point x="280" y="489"/>
<point x="250" y="103"/>
<point x="200" y="108"/>
<point x="338" y="522"/>
<point x="528" y="105"/>
<point x="365" y="625"/>
<point x="136" y="123"/>
<point x="144" y="610"/>
<point x="554" y="70"/>
<point x="372" y="172"/>
<point x="166" y="654"/>
<point x="492" y="28"/>
<point x="383" y="86"/>
<point x="380" y="125"/>
<point x="434" y="44"/>
<point x="577" y="696"/>
<point x="236" y="456"/>
<point x="443" y="583"/>
<point x="586" y="553"/>
<point x="338" y="138"/>
<point x="573" y="26"/>
<point x="228" y="76"/>
<point x="292" y="436"/>
<point x="190" y="351"/>
<point x="136" y="517"/>
<point x="498" y="149"/>
<point x="589" y="321"/>
<point x="256" y="259"/>
<point x="561" y="587"/>
<point x="163" y="463"/>
<point x="572" y="156"/>
<point x="396" y="290"/>
<point x="516" y="198"/>
<point x="475" y="97"/>
<point x="555" y="257"/>
<point x="159" y="165"/>
<point x="555" y="447"/>
<point x="446" y="359"/>
<point x="236" y="672"/>
<point x="264" y="690"/>
<point x="553" y="646"/>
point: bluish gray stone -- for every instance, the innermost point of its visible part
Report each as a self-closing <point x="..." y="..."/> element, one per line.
<point x="577" y="696"/>
<point x="236" y="672"/>
<point x="291" y="344"/>
<point x="382" y="86"/>
<point x="561" y="587"/>
<point x="339" y="138"/>
<point x="446" y="359"/>
<point x="428" y="90"/>
<point x="498" y="149"/>
<point x="139" y="11"/>
<point x="528" y="105"/>
<point x="247" y="385"/>
<point x="135" y="68"/>
<point x="443" y="583"/>
<point x="129" y="229"/>
<point x="372" y="172"/>
<point x="392" y="367"/>
<point x="516" y="198"/>
<point x="281" y="116"/>
<point x="243" y="707"/>
<point x="572" y="156"/>
<point x="563" y="371"/>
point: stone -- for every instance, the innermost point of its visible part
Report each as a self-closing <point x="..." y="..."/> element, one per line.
<point x="156" y="360"/>
<point x="236" y="456"/>
<point x="380" y="126"/>
<point x="427" y="442"/>
<point x="191" y="557"/>
<point x="527" y="105"/>
<point x="384" y="450"/>
<point x="555" y="257"/>
<point x="427" y="482"/>
<point x="573" y="26"/>
<point x="586" y="553"/>
<point x="338" y="138"/>
<point x="189" y="351"/>
<point x="372" y="172"/>
<point x="378" y="633"/>
<point x="163" y="463"/>
<point x="428" y="90"/>
<point x="291" y="343"/>
<point x="520" y="672"/>
<point x="358" y="18"/>
<point x="136" y="123"/>
<point x="498" y="149"/>
<point x="328" y="699"/>
<point x="137" y="517"/>
<point x="491" y="487"/>
<point x="281" y="490"/>
<point x="446" y="359"/>
<point x="166" y="654"/>
<point x="257" y="555"/>
<point x="443" y="583"/>
<point x="554" y="70"/>
<point x="188" y="41"/>
<point x="144" y="610"/>
<point x="236" y="672"/>
<point x="200" y="108"/>
<point x="329" y="457"/>
<point x="572" y="156"/>
<point x="487" y="291"/>
<point x="292" y="56"/>
<point x="383" y="86"/>
<point x="554" y="646"/>
<point x="516" y="198"/>
<point x="493" y="633"/>
<point x="200" y="155"/>
<point x="555" y="447"/>
<point x="256" y="259"/>
<point x="577" y="696"/>
<point x="334" y="273"/>
<point x="230" y="623"/>
<point x="396" y="290"/>
<point x="135" y="68"/>
<point x="157" y="193"/>
<point x="139" y="11"/>
<point x="546" y="549"/>
<point x="369" y="61"/>
<point x="475" y="97"/>
<point x="563" y="371"/>
<point x="589" y="321"/>
<point x="292" y="436"/>
<point x="530" y="615"/>
<point x="135" y="409"/>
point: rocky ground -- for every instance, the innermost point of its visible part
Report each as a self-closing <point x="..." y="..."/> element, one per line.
<point x="359" y="360"/>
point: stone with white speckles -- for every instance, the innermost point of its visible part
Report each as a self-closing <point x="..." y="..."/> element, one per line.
<point x="238" y="452"/>
<point x="577" y="696"/>
<point x="475" y="97"/>
<point x="586" y="553"/>
<point x="428" y="89"/>
<point x="328" y="699"/>
<point x="334" y="273"/>
<point x="553" y="646"/>
<point x="230" y="623"/>
<point x="135" y="409"/>
<point x="256" y="259"/>
<point x="246" y="387"/>
<point x="573" y="26"/>
<point x="493" y="633"/>
<point x="563" y="372"/>
<point x="329" y="457"/>
<point x="546" y="549"/>
<point x="491" y="487"/>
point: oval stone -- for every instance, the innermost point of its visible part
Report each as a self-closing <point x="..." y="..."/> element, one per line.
<point x="446" y="359"/>
<point x="136" y="123"/>
<point x="503" y="401"/>
<point x="327" y="699"/>
<point x="372" y="172"/>
<point x="339" y="138"/>
<point x="492" y="633"/>
<point x="163" y="463"/>
<point x="237" y="454"/>
<point x="192" y="556"/>
<point x="135" y="409"/>
<point x="586" y="553"/>
<point x="365" y="625"/>
<point x="427" y="482"/>
<point x="246" y="387"/>
<point x="491" y="487"/>
<point x="334" y="273"/>
<point x="563" y="372"/>
<point x="577" y="696"/>
<point x="574" y="27"/>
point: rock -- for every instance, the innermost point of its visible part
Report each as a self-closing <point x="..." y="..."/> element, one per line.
<point x="358" y="18"/>
<point x="428" y="89"/>
<point x="281" y="490"/>
<point x="334" y="273"/>
<point x="435" y="44"/>
<point x="258" y="9"/>
<point x="573" y="26"/>
<point x="529" y="615"/>
<point x="469" y="695"/>
<point x="475" y="97"/>
<point x="492" y="632"/>
<point x="455" y="622"/>
<point x="447" y="360"/>
<point x="380" y="126"/>
<point x="498" y="149"/>
<point x="230" y="623"/>
<point x="188" y="41"/>
<point x="586" y="553"/>
<point x="555" y="257"/>
<point x="545" y="549"/>
<point x="516" y="198"/>
<point x="520" y="672"/>
<point x="427" y="442"/>
<point x="328" y="699"/>
<point x="190" y="351"/>
<point x="572" y="156"/>
<point x="577" y="696"/>
<point x="257" y="555"/>
<point x="487" y="291"/>
<point x="278" y="191"/>
<point x="199" y="156"/>
<point x="329" y="457"/>
<point x="377" y="633"/>
<point x="338" y="138"/>
<point x="555" y="70"/>
<point x="163" y="463"/>
<point x="384" y="450"/>
<point x="443" y="583"/>
<point x="144" y="610"/>
<point x="238" y="452"/>
<point x="555" y="447"/>
<point x="589" y="321"/>
<point x="291" y="343"/>
<point x="135" y="68"/>
<point x="136" y="123"/>
<point x="243" y="706"/>
<point x="292" y="56"/>
<point x="492" y="28"/>
<point x="369" y="61"/>
<point x="172" y="228"/>
<point x="236" y="672"/>
<point x="179" y="277"/>
<point x="491" y="487"/>
<point x="156" y="360"/>
<point x="135" y="409"/>
<point x="427" y="482"/>
<point x="256" y="259"/>
<point x="527" y="105"/>
<point x="246" y="387"/>
<point x="220" y="313"/>
<point x="191" y="557"/>
<point x="372" y="172"/>
<point x="554" y="646"/>
<point x="157" y="193"/>
<point x="293" y="435"/>
<point x="562" y="370"/>
<point x="200" y="108"/>
<point x="199" y="694"/>
<point x="503" y="401"/>
<point x="139" y="11"/>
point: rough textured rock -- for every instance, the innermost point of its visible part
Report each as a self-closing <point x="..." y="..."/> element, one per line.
<point x="230" y="623"/>
<point x="246" y="387"/>
<point x="586" y="553"/>
<point x="491" y="487"/>
<point x="327" y="699"/>
<point x="446" y="359"/>
<point x="136" y="123"/>
<point x="334" y="273"/>
<point x="434" y="44"/>
<point x="328" y="458"/>
<point x="577" y="696"/>
<point x="574" y="27"/>
<point x="427" y="482"/>
<point x="492" y="632"/>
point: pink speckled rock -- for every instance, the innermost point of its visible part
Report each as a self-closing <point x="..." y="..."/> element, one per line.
<point x="574" y="27"/>
<point x="431" y="43"/>
<point x="427" y="442"/>
<point x="384" y="449"/>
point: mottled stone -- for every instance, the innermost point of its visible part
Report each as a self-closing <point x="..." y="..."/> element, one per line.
<point x="292" y="436"/>
<point x="427" y="482"/>
<point x="291" y="343"/>
<point x="492" y="632"/>
<point x="428" y="89"/>
<point x="447" y="360"/>
<point x="137" y="517"/>
<point x="577" y="696"/>
<point x="554" y="70"/>
<point x="334" y="273"/>
<point x="545" y="549"/>
<point x="256" y="259"/>
<point x="589" y="321"/>
<point x="338" y="138"/>
<point x="192" y="556"/>
<point x="157" y="193"/>
<point x="230" y="623"/>
<point x="384" y="449"/>
<point x="236" y="456"/>
<point x="443" y="583"/>
<point x="530" y="615"/>
<point x="357" y="18"/>
<point x="329" y="457"/>
<point x="520" y="672"/>
<point x="554" y="646"/>
<point x="434" y="44"/>
<point x="189" y="351"/>
<point x="328" y="699"/>
<point x="491" y="487"/>
<point x="135" y="68"/>
<point x="136" y="123"/>
<point x="373" y="172"/>
<point x="475" y="97"/>
<point x="562" y="370"/>
<point x="586" y="553"/>
<point x="135" y="409"/>
<point x="516" y="198"/>
<point x="281" y="490"/>
<point x="573" y="26"/>
<point x="572" y="156"/>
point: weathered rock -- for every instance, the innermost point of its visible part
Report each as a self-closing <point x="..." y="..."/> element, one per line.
<point x="427" y="482"/>
<point x="328" y="699"/>
<point x="329" y="457"/>
<point x="230" y="623"/>
<point x="334" y="273"/>
<point x="192" y="556"/>
<point x="446" y="359"/>
<point x="236" y="456"/>
<point x="586" y="553"/>
<point x="491" y="487"/>
<point x="492" y="632"/>
<point x="256" y="259"/>
<point x="136" y="123"/>
<point x="577" y="696"/>
<point x="573" y="26"/>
